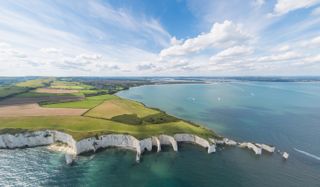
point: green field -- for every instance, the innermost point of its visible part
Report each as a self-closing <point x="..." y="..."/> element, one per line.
<point x="106" y="114"/>
<point x="11" y="90"/>
<point x="23" y="87"/>
<point x="87" y="103"/>
<point x="37" y="94"/>
<point x="36" y="83"/>
<point x="117" y="106"/>
<point x="70" y="85"/>
<point x="82" y="127"/>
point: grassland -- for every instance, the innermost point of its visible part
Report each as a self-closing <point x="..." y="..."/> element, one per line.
<point x="105" y="113"/>
<point x="36" y="83"/>
<point x="38" y="94"/>
<point x="117" y="106"/>
<point x="70" y="85"/>
<point x="87" y="103"/>
<point x="7" y="91"/>
<point x="82" y="127"/>
<point x="22" y="87"/>
<point x="55" y="91"/>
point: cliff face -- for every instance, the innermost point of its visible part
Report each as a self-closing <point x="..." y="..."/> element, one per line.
<point x="168" y="140"/>
<point x="196" y="140"/>
<point x="156" y="142"/>
<point x="255" y="149"/>
<point x="40" y="138"/>
<point x="28" y="139"/>
<point x="47" y="137"/>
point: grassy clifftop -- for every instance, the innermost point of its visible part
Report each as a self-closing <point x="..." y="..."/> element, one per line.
<point x="105" y="114"/>
<point x="82" y="127"/>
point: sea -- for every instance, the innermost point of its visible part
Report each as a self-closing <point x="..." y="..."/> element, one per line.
<point x="283" y="114"/>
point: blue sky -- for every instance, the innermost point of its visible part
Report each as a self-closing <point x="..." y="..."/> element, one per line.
<point x="159" y="38"/>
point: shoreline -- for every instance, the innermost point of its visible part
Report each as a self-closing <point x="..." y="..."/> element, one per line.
<point x="63" y="142"/>
<point x="70" y="146"/>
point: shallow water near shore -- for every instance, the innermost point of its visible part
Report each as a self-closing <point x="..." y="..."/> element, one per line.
<point x="286" y="115"/>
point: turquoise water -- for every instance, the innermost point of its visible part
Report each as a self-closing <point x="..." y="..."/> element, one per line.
<point x="284" y="114"/>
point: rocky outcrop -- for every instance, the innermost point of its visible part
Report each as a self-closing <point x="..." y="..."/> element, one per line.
<point x="216" y="141"/>
<point x="40" y="138"/>
<point x="64" y="138"/>
<point x="229" y="142"/>
<point x="196" y="140"/>
<point x="156" y="142"/>
<point x="145" y="144"/>
<point x="285" y="155"/>
<point x="69" y="158"/>
<point x="111" y="140"/>
<point x="64" y="148"/>
<point x="265" y="147"/>
<point x="168" y="140"/>
<point x="255" y="149"/>
<point x="27" y="139"/>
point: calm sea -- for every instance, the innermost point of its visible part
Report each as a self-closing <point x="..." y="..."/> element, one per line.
<point x="286" y="115"/>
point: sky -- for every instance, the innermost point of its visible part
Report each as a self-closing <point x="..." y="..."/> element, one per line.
<point x="159" y="38"/>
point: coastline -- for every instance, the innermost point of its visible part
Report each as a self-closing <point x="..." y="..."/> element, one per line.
<point x="63" y="142"/>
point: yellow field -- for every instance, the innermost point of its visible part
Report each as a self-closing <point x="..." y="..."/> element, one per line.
<point x="116" y="107"/>
<point x="33" y="109"/>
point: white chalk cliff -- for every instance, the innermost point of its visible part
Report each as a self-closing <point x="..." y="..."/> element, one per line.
<point x="73" y="147"/>
<point x="255" y="149"/>
<point x="267" y="148"/>
<point x="196" y="140"/>
<point x="48" y="137"/>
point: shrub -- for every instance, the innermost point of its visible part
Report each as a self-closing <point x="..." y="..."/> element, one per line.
<point x="131" y="119"/>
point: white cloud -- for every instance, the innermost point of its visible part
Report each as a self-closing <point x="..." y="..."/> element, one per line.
<point x="290" y="55"/>
<point x="315" y="41"/>
<point x="235" y="51"/>
<point x="108" y="41"/>
<point x="285" y="6"/>
<point x="221" y="35"/>
<point x="175" y="41"/>
<point x="143" y="67"/>
<point x="316" y="12"/>
<point x="50" y="50"/>
<point x="312" y="59"/>
<point x="122" y="18"/>
<point x="47" y="39"/>
<point x="312" y="43"/>
<point x="308" y="60"/>
<point x="7" y="51"/>
<point x="89" y="57"/>
<point x="4" y="45"/>
<point x="258" y="3"/>
<point x="283" y="48"/>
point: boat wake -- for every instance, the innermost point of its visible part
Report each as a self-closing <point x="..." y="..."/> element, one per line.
<point x="307" y="154"/>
